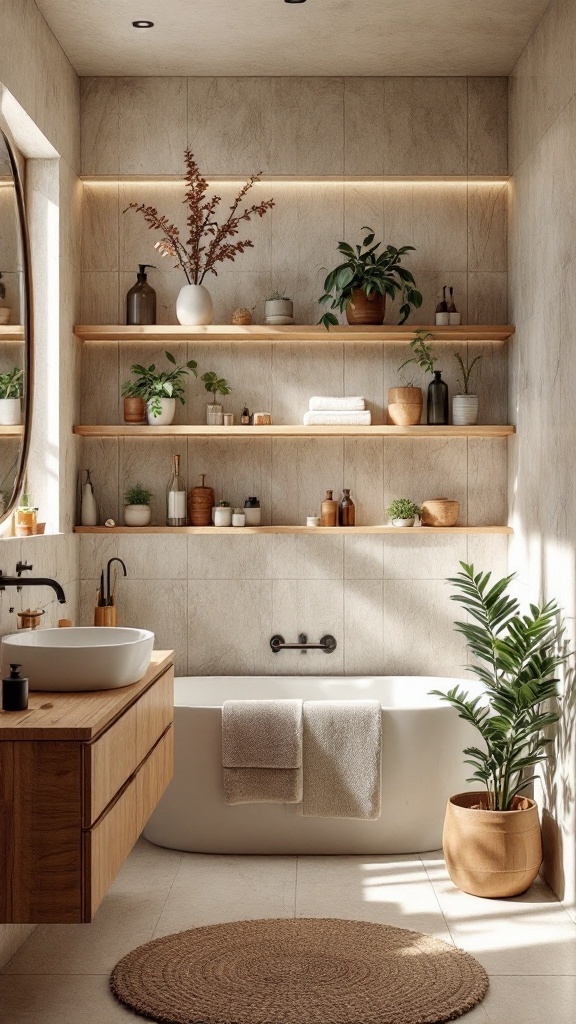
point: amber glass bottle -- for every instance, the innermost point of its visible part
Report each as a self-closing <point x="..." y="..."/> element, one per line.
<point x="347" y="511"/>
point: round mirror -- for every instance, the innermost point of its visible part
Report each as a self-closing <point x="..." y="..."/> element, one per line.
<point x="16" y="343"/>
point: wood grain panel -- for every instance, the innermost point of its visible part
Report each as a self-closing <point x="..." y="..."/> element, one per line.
<point x="292" y="333"/>
<point x="292" y="430"/>
<point x="40" y="838"/>
<point x="154" y="713"/>
<point x="154" y="776"/>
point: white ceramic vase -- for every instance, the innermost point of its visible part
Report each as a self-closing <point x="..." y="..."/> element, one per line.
<point x="194" y="306"/>
<point x="279" y="307"/>
<point x="137" y="515"/>
<point x="10" y="412"/>
<point x="404" y="522"/>
<point x="167" y="411"/>
<point x="464" y="410"/>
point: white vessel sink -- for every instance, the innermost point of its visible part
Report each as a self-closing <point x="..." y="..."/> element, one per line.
<point x="81" y="658"/>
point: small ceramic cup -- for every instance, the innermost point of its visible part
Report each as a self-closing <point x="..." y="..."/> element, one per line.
<point x="313" y="521"/>
<point x="238" y="519"/>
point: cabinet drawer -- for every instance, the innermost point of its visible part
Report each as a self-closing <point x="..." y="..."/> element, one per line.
<point x="115" y="756"/>
<point x="107" y="844"/>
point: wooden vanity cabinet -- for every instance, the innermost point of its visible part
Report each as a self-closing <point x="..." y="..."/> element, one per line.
<point x="80" y="774"/>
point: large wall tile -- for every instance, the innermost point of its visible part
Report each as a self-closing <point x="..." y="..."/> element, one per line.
<point x="152" y="114"/>
<point x="100" y="399"/>
<point x="425" y="123"/>
<point x="303" y="469"/>
<point x="299" y="372"/>
<point x="146" y="557"/>
<point x="427" y="469"/>
<point x="489" y="381"/>
<point x="487" y="226"/>
<point x="363" y="627"/>
<point x="101" y="456"/>
<point x="246" y="367"/>
<point x="307" y="557"/>
<point x="363" y="556"/>
<point x="242" y="557"/>
<point x="229" y="627"/>
<point x="487" y="298"/>
<point x="100" y="128"/>
<point x="488" y="552"/>
<point x="236" y="470"/>
<point x="364" y="476"/>
<point x="363" y="208"/>
<point x="100" y="227"/>
<point x="99" y="302"/>
<point x="487" y="476"/>
<point x="363" y="118"/>
<point x="418" y="630"/>
<point x="363" y="375"/>
<point x="487" y="125"/>
<point x="422" y="557"/>
<point x="314" y="607"/>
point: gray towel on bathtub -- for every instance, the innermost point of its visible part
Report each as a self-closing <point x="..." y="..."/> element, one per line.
<point x="342" y="758"/>
<point x="262" y="751"/>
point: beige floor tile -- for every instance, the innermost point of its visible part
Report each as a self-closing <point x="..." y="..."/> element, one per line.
<point x="531" y="1000"/>
<point x="211" y="890"/>
<point x="60" y="999"/>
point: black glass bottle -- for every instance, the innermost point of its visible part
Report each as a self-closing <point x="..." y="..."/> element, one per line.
<point x="438" y="400"/>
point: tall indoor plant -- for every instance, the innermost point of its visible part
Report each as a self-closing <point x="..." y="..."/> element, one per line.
<point x="360" y="284"/>
<point x="159" y="390"/>
<point x="208" y="244"/>
<point x="491" y="840"/>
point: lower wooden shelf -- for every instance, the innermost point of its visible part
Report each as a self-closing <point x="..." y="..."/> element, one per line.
<point x="214" y="531"/>
<point x="296" y="430"/>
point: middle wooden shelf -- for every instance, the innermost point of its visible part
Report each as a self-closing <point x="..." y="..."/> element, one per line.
<point x="284" y="430"/>
<point x="213" y="531"/>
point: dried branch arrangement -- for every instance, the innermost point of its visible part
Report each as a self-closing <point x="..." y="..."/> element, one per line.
<point x="208" y="243"/>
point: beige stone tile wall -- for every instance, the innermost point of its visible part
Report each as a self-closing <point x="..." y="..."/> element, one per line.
<point x="542" y="367"/>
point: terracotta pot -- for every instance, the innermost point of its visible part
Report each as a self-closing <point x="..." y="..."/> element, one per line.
<point x="440" y="512"/>
<point x="491" y="853"/>
<point x="134" y="410"/>
<point x="366" y="310"/>
<point x="405" y="406"/>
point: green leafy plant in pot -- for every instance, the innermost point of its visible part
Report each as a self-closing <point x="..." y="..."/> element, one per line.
<point x="215" y="385"/>
<point x="425" y="357"/>
<point x="159" y="391"/>
<point x="137" y="510"/>
<point x="492" y="843"/>
<point x="11" y="391"/>
<point x="403" y="512"/>
<point x="360" y="284"/>
<point x="405" y="401"/>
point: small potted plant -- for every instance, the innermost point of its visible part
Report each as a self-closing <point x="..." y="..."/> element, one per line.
<point x="159" y="390"/>
<point x="405" y="401"/>
<point x="279" y="309"/>
<point x="215" y="385"/>
<point x="402" y="512"/>
<point x="465" y="405"/>
<point x="424" y="357"/>
<point x="134" y="404"/>
<point x="11" y="391"/>
<point x="359" y="286"/>
<point x="492" y="843"/>
<point x="137" y="510"/>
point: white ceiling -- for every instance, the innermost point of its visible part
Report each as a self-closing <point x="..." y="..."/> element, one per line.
<point x="270" y="37"/>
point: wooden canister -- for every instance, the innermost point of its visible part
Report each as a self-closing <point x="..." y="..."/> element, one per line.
<point x="106" y="615"/>
<point x="134" y="410"/>
<point x="200" y="502"/>
<point x="329" y="511"/>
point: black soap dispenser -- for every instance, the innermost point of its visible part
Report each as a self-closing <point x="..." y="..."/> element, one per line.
<point x="14" y="691"/>
<point x="141" y="299"/>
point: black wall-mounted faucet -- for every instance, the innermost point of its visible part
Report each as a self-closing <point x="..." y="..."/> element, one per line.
<point x="31" y="581"/>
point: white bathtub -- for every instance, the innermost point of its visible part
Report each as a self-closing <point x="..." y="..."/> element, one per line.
<point x="422" y="764"/>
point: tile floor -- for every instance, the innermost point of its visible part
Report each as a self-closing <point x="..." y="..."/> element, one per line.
<point x="527" y="945"/>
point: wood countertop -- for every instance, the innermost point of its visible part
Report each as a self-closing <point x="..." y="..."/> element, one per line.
<point x="77" y="716"/>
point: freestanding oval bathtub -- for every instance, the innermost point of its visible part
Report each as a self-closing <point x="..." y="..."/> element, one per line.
<point x="422" y="765"/>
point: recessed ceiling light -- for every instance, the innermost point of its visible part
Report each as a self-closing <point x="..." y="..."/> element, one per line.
<point x="150" y="24"/>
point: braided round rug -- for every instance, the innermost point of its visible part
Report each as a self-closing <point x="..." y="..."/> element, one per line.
<point x="299" y="971"/>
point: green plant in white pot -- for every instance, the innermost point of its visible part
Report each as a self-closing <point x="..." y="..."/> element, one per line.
<point x="492" y="842"/>
<point x="465" y="404"/>
<point x="137" y="511"/>
<point x="11" y="391"/>
<point x="403" y="512"/>
<point x="160" y="391"/>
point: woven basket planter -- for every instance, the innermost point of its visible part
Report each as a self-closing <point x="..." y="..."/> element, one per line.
<point x="440" y="512"/>
<point x="405" y="406"/>
<point x="491" y="853"/>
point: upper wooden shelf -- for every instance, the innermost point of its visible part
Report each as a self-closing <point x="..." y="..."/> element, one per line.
<point x="291" y="333"/>
<point x="302" y="179"/>
<point x="11" y="332"/>
<point x="213" y="531"/>
<point x="12" y="431"/>
<point x="284" y="430"/>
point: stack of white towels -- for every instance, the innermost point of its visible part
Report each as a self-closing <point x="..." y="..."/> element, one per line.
<point x="329" y="411"/>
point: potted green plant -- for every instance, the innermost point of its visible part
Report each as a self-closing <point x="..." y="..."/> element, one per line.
<point x="402" y="512"/>
<point x="424" y="357"/>
<point x="405" y="401"/>
<point x="11" y="391"/>
<point x="215" y="385"/>
<point x="492" y="843"/>
<point x="208" y="244"/>
<point x="134" y="404"/>
<point x="360" y="284"/>
<point x="137" y="510"/>
<point x="465" y="405"/>
<point x="159" y="390"/>
<point x="279" y="309"/>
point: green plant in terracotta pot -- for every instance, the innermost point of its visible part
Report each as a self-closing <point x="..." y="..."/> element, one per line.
<point x="492" y="842"/>
<point x="360" y="284"/>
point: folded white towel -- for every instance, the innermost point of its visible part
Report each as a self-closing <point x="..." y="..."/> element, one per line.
<point x="342" y="758"/>
<point x="322" y="403"/>
<point x="356" y="419"/>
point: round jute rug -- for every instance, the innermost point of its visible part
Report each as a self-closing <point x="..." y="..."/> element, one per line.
<point x="302" y="971"/>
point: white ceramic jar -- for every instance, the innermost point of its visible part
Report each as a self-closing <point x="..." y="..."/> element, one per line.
<point x="10" y="412"/>
<point x="223" y="516"/>
<point x="238" y="519"/>
<point x="167" y="411"/>
<point x="253" y="516"/>
<point x="464" y="410"/>
<point x="194" y="306"/>
<point x="137" y="515"/>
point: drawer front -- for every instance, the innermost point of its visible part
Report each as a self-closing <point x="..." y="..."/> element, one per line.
<point x="115" y="756"/>
<point x="107" y="844"/>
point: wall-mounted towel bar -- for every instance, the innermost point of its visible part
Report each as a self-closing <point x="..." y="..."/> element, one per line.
<point x="327" y="644"/>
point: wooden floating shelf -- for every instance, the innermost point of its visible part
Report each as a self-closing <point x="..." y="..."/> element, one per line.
<point x="12" y="431"/>
<point x="282" y="430"/>
<point x="383" y="333"/>
<point x="11" y="332"/>
<point x="299" y="179"/>
<point x="213" y="531"/>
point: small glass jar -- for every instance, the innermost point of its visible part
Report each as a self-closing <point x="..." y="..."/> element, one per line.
<point x="214" y="414"/>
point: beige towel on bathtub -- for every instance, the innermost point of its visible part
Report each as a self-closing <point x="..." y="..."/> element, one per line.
<point x="262" y="751"/>
<point x="341" y="758"/>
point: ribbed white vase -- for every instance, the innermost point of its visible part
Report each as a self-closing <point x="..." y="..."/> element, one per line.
<point x="194" y="306"/>
<point x="464" y="410"/>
